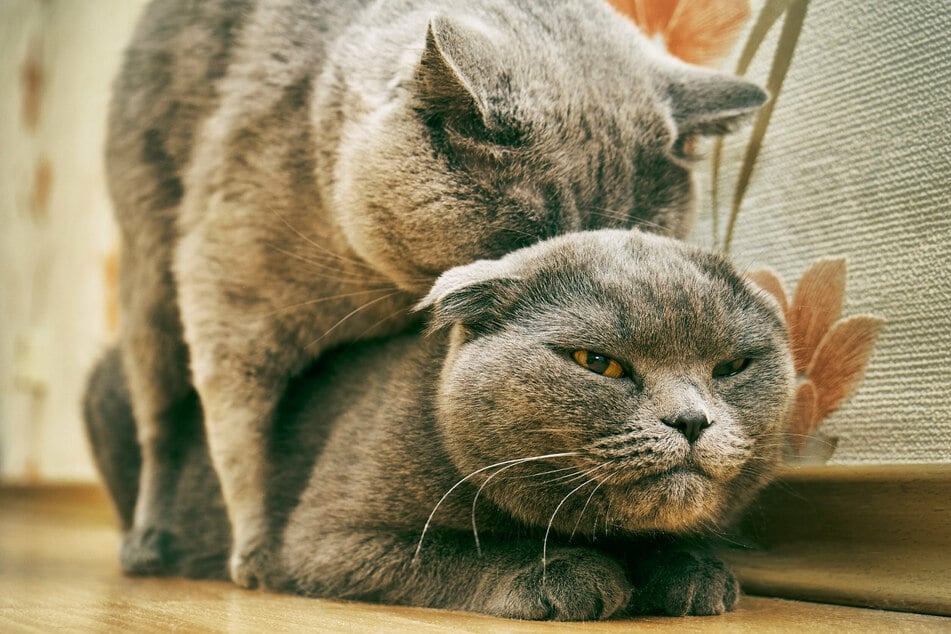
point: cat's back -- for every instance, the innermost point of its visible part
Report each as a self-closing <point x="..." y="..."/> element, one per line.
<point x="183" y="60"/>
<point x="167" y="84"/>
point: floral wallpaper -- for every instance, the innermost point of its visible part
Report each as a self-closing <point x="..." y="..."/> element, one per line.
<point x="830" y="352"/>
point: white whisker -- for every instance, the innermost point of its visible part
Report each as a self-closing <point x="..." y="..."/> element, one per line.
<point x="552" y="519"/>
<point x="380" y="322"/>
<point x="571" y="477"/>
<point x="351" y="314"/>
<point x="550" y="471"/>
<point x="429" y="520"/>
<point x="341" y="275"/>
<point x="321" y="300"/>
<point x="475" y="500"/>
<point x="317" y="246"/>
<point x="588" y="501"/>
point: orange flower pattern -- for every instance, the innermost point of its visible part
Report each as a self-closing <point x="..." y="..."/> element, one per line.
<point x="697" y="31"/>
<point x="829" y="352"/>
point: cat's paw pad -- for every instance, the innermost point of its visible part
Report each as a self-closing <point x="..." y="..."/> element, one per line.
<point x="688" y="583"/>
<point x="572" y="585"/>
<point x="250" y="568"/>
<point x="147" y="552"/>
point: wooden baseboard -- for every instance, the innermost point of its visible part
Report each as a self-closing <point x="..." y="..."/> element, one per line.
<point x="81" y="501"/>
<point x="869" y="536"/>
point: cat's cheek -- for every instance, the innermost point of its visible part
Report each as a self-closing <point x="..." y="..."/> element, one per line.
<point x="722" y="451"/>
<point x="480" y="398"/>
<point x="744" y="397"/>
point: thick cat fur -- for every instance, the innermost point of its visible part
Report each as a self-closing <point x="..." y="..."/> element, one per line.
<point x="289" y="175"/>
<point x="481" y="467"/>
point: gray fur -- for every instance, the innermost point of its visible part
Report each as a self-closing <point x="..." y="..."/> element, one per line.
<point x="381" y="450"/>
<point x="291" y="175"/>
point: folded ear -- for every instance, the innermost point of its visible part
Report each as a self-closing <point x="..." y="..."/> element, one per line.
<point x="476" y="295"/>
<point x="708" y="102"/>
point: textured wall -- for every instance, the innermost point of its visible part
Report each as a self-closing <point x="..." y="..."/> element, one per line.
<point x="57" y="59"/>
<point x="856" y="162"/>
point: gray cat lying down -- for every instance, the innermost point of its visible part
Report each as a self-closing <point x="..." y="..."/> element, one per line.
<point x="580" y="410"/>
<point x="291" y="175"/>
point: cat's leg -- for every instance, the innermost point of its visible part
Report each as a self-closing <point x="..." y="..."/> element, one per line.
<point x="238" y="418"/>
<point x="110" y="428"/>
<point x="508" y="578"/>
<point x="243" y="352"/>
<point x="255" y="314"/>
<point x="678" y="580"/>
<point x="200" y="528"/>
<point x="155" y="365"/>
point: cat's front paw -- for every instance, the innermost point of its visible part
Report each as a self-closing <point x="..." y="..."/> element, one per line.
<point x="573" y="585"/>
<point x="250" y="567"/>
<point x="685" y="583"/>
<point x="148" y="551"/>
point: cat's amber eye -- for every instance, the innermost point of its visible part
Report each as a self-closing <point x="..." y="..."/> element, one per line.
<point x="598" y="363"/>
<point x="729" y="368"/>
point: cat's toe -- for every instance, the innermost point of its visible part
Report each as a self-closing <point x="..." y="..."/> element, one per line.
<point x="251" y="568"/>
<point x="688" y="583"/>
<point x="147" y="552"/>
<point x="573" y="585"/>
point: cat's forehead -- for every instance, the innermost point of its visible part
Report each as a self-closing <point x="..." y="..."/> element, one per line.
<point x="624" y="258"/>
<point x="586" y="75"/>
<point x="652" y="294"/>
<point x="563" y="104"/>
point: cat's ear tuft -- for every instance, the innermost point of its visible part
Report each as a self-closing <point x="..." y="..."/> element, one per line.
<point x="476" y="295"/>
<point x="445" y="77"/>
<point x="707" y="102"/>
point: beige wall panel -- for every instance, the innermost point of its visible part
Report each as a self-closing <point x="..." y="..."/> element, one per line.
<point x="856" y="162"/>
<point x="57" y="59"/>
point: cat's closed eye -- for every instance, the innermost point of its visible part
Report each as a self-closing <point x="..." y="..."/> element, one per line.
<point x="731" y="367"/>
<point x="598" y="363"/>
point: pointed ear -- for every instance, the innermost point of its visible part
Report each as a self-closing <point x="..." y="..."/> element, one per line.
<point x="444" y="81"/>
<point x="475" y="295"/>
<point x="710" y="103"/>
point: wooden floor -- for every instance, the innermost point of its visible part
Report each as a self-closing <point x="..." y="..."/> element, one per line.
<point x="58" y="572"/>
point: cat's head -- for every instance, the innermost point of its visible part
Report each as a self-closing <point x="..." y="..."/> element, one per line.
<point x="653" y="375"/>
<point x="516" y="122"/>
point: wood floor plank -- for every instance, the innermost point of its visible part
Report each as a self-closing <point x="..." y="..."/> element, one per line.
<point x="864" y="535"/>
<point x="59" y="572"/>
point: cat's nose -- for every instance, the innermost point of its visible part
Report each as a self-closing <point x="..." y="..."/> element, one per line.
<point x="691" y="424"/>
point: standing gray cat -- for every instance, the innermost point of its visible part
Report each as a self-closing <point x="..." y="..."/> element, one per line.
<point x="292" y="174"/>
<point x="582" y="414"/>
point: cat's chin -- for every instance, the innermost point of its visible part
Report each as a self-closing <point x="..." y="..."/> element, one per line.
<point x="679" y="500"/>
